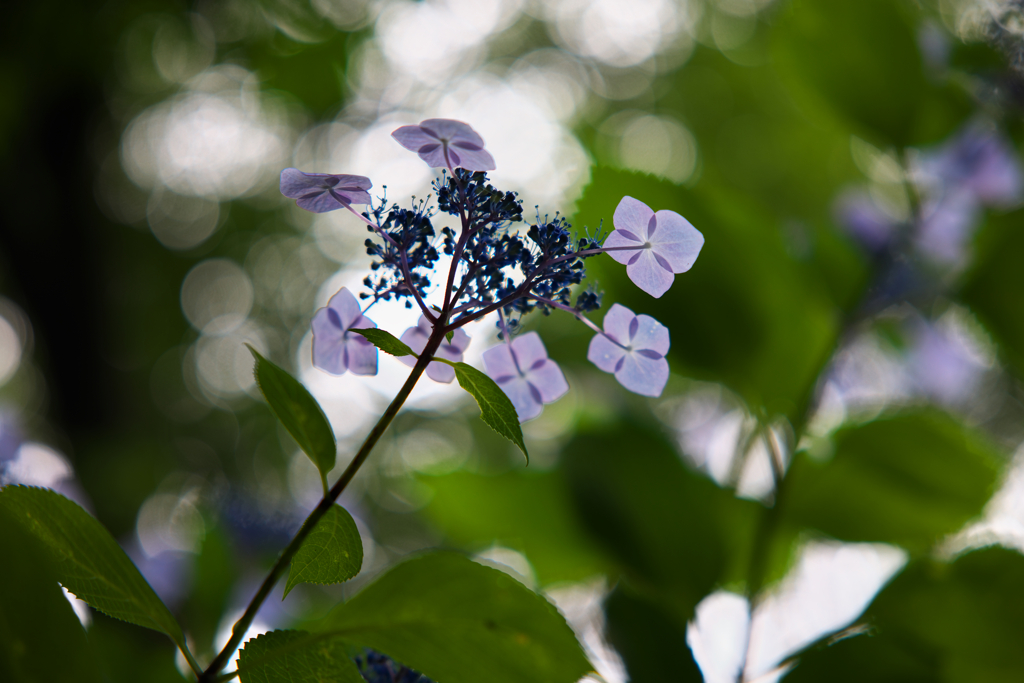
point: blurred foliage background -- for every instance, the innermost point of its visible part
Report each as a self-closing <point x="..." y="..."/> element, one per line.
<point x="853" y="321"/>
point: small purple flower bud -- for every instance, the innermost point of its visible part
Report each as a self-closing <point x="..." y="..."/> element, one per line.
<point x="633" y="347"/>
<point x="525" y="373"/>
<point x="416" y="339"/>
<point x="665" y="244"/>
<point x="335" y="348"/>
<point x="322" y="192"/>
<point x="446" y="143"/>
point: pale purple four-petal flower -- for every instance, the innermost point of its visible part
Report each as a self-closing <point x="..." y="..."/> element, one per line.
<point x="337" y="349"/>
<point x="446" y="143"/>
<point x="321" y="192"/>
<point x="664" y="244"/>
<point x="525" y="373"/>
<point x="633" y="347"/>
<point x="416" y="339"/>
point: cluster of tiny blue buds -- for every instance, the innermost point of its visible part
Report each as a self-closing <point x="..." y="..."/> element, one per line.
<point x="407" y="250"/>
<point x="497" y="264"/>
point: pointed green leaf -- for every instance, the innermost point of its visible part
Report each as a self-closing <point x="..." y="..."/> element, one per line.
<point x="936" y="621"/>
<point x="35" y="618"/>
<point x="298" y="411"/>
<point x="332" y="553"/>
<point x="496" y="410"/>
<point x="908" y="479"/>
<point x="642" y="509"/>
<point x="385" y="341"/>
<point x="296" y="657"/>
<point x="526" y="510"/>
<point x="90" y="563"/>
<point x="459" y="622"/>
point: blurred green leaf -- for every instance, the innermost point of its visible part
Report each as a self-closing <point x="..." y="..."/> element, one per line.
<point x="528" y="511"/>
<point x="296" y="657"/>
<point x="460" y="622"/>
<point x="994" y="287"/>
<point x="936" y="621"/>
<point x="907" y="479"/>
<point x="90" y="563"/>
<point x="298" y="411"/>
<point x="213" y="580"/>
<point x="386" y="342"/>
<point x="331" y="553"/>
<point x="651" y="642"/>
<point x="865" y="657"/>
<point x="861" y="59"/>
<point x="36" y="621"/>
<point x="748" y="314"/>
<point x="969" y="610"/>
<point x="675" y="533"/>
<point x="754" y="141"/>
<point x="496" y="410"/>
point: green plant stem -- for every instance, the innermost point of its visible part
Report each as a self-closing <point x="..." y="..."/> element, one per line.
<point x="277" y="571"/>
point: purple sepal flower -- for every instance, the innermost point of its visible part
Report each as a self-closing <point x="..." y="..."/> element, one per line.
<point x="633" y="347"/>
<point x="979" y="160"/>
<point x="416" y="339"/>
<point x="866" y="222"/>
<point x="946" y="227"/>
<point x="335" y="349"/>
<point x="666" y="244"/>
<point x="321" y="192"/>
<point x="525" y="373"/>
<point x="446" y="143"/>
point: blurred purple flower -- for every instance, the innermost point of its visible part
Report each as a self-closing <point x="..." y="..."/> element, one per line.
<point x="321" y="192"/>
<point x="525" y="373"/>
<point x="665" y="244"/>
<point x="633" y="347"/>
<point x="169" y="573"/>
<point x="335" y="348"/>
<point x="946" y="227"/>
<point x="446" y="143"/>
<point x="416" y="339"/>
<point x="978" y="159"/>
<point x="10" y="435"/>
<point x="942" y="363"/>
<point x="866" y="222"/>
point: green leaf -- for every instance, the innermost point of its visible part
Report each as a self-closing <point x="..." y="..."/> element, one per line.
<point x="332" y="553"/>
<point x="908" y="479"/>
<point x="90" y="563"/>
<point x="496" y="410"/>
<point x="35" y="618"/>
<point x="296" y="657"/>
<point x="674" y="533"/>
<point x="861" y="59"/>
<point x="865" y="657"/>
<point x="386" y="342"/>
<point x="459" y="622"/>
<point x="526" y="510"/>
<point x="642" y="631"/>
<point x="299" y="412"/>
<point x="958" y="621"/>
<point x="449" y="336"/>
<point x="994" y="287"/>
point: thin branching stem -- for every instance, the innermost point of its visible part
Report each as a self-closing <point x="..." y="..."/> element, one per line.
<point x="277" y="571"/>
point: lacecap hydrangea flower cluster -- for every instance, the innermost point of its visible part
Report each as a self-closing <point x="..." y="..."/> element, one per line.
<point x="498" y="266"/>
